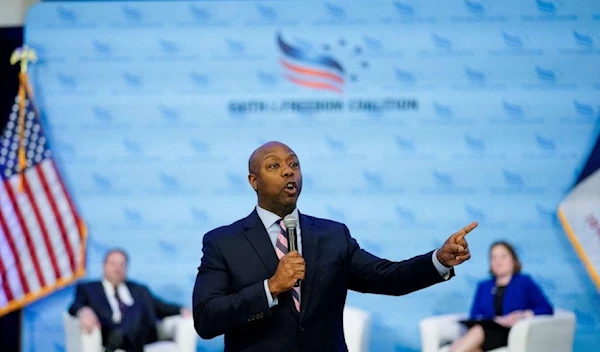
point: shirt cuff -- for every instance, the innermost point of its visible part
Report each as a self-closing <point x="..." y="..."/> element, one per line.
<point x="272" y="302"/>
<point x="441" y="268"/>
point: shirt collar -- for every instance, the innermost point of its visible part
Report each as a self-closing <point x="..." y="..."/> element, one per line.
<point x="110" y="287"/>
<point x="269" y="218"/>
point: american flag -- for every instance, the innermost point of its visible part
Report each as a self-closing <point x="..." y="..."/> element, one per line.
<point x="42" y="238"/>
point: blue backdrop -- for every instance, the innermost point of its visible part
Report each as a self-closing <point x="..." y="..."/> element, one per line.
<point x="410" y="118"/>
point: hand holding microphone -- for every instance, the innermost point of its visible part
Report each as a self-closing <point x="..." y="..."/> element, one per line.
<point x="291" y="268"/>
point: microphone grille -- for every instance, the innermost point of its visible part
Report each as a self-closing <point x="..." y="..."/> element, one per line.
<point x="290" y="221"/>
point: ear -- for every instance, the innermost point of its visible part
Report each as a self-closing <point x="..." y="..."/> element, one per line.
<point x="253" y="182"/>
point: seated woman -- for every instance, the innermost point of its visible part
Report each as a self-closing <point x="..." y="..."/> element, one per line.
<point x="506" y="298"/>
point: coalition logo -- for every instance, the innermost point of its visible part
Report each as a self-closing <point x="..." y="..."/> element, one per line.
<point x="475" y="144"/>
<point x="66" y="80"/>
<point x="475" y="76"/>
<point x="169" y="114"/>
<point x="316" y="66"/>
<point x="168" y="46"/>
<point x="584" y="110"/>
<point x="442" y="110"/>
<point x="66" y="14"/>
<point x="586" y="41"/>
<point x="102" y="47"/>
<point x="266" y="12"/>
<point x="547" y="7"/>
<point x="335" y="11"/>
<point x="407" y="11"/>
<point x="199" y="13"/>
<point x="404" y="9"/>
<point x="546" y="75"/>
<point x="441" y="42"/>
<point x="513" y="109"/>
<point x="305" y="66"/>
<point x="545" y="144"/>
<point x="513" y="41"/>
<point x="475" y="7"/>
<point x="102" y="114"/>
<point x="132" y="13"/>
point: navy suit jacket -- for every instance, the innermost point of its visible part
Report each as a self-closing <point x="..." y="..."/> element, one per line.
<point x="229" y="296"/>
<point x="92" y="294"/>
<point x="522" y="293"/>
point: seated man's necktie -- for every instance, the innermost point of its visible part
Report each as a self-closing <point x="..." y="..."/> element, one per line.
<point x="122" y="305"/>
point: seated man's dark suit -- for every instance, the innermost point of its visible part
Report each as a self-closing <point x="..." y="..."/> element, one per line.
<point x="229" y="295"/>
<point x="138" y="323"/>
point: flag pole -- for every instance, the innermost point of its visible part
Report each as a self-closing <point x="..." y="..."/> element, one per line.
<point x="22" y="55"/>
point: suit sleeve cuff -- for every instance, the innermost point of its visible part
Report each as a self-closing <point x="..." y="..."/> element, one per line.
<point x="441" y="268"/>
<point x="272" y="302"/>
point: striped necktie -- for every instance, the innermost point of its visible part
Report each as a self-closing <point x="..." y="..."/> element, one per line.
<point x="281" y="248"/>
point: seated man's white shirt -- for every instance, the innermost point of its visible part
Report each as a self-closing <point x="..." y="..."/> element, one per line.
<point x="124" y="295"/>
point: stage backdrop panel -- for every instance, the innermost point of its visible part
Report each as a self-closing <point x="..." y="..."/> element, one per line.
<point x="410" y="118"/>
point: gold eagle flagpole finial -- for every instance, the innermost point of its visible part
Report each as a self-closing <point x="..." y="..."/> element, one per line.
<point x="23" y="56"/>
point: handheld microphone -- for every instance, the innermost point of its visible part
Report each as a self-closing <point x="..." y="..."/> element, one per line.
<point x="291" y="224"/>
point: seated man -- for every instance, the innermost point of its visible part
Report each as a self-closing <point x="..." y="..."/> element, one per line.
<point x="125" y="311"/>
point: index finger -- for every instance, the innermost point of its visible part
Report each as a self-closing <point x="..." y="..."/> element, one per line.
<point x="464" y="231"/>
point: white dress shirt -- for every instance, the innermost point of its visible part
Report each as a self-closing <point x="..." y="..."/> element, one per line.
<point x="124" y="295"/>
<point x="270" y="219"/>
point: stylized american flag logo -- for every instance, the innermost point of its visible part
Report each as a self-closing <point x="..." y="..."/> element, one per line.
<point x="307" y="68"/>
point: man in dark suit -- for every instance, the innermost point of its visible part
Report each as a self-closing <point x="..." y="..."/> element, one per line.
<point x="125" y="311"/>
<point x="245" y="283"/>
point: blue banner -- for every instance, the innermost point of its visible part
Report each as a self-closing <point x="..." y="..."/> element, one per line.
<point x="411" y="119"/>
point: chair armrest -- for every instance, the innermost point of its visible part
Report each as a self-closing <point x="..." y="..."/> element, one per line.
<point x="439" y="329"/>
<point x="357" y="328"/>
<point x="77" y="340"/>
<point x="543" y="333"/>
<point x="179" y="329"/>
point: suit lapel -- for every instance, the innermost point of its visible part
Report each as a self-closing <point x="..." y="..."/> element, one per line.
<point x="310" y="251"/>
<point x="256" y="233"/>
<point x="105" y="309"/>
